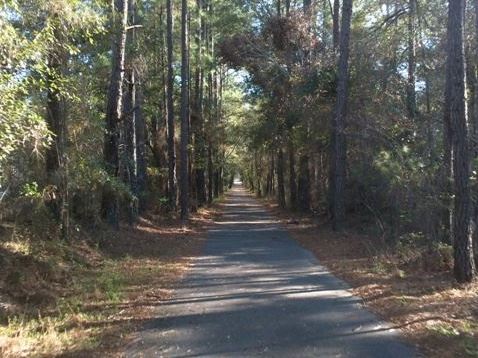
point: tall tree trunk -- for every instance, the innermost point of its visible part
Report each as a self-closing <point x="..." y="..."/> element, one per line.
<point x="280" y="178"/>
<point x="140" y="167"/>
<point x="446" y="170"/>
<point x="258" y="170"/>
<point x="272" y="175"/>
<point x="216" y="177"/>
<point x="411" y="95"/>
<point x="250" y="178"/>
<point x="128" y="125"/>
<point x="339" y="152"/>
<point x="432" y="219"/>
<point x="110" y="201"/>
<point x="192" y="193"/>
<point x="336" y="24"/>
<point x="303" y="188"/>
<point x="56" y="158"/>
<point x="474" y="122"/>
<point x="172" y="189"/>
<point x="464" y="265"/>
<point x="199" y="140"/>
<point x="184" y="172"/>
<point x="200" y="172"/>
<point x="210" y="174"/>
<point x="55" y="116"/>
<point x="210" y="107"/>
<point x="128" y="141"/>
<point x="133" y="125"/>
<point x="141" y="163"/>
<point x="159" y="119"/>
<point x="474" y="70"/>
<point x="292" y="177"/>
<point x="221" y="176"/>
<point x="471" y="86"/>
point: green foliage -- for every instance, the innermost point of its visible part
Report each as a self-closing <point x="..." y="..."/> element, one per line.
<point x="471" y="346"/>
<point x="110" y="284"/>
<point x="31" y="32"/>
<point x="31" y="190"/>
<point x="446" y="330"/>
<point x="26" y="37"/>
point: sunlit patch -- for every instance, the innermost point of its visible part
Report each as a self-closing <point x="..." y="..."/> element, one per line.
<point x="22" y="247"/>
<point x="318" y="293"/>
<point x="252" y="222"/>
<point x="241" y="205"/>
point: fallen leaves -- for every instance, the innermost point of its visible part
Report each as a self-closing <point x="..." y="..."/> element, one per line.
<point x="110" y="284"/>
<point x="434" y="312"/>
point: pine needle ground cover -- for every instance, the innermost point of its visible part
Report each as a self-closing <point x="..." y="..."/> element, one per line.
<point x="83" y="298"/>
<point x="409" y="285"/>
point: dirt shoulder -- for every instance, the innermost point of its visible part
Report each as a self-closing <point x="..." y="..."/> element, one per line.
<point x="411" y="288"/>
<point x="83" y="299"/>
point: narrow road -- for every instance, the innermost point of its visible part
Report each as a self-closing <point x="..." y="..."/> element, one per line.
<point x="256" y="292"/>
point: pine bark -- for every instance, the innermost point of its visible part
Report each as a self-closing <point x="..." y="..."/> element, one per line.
<point x="292" y="177"/>
<point x="56" y="117"/>
<point x="446" y="169"/>
<point x="280" y="179"/>
<point x="128" y="142"/>
<point x="339" y="152"/>
<point x="474" y="54"/>
<point x="184" y="155"/>
<point x="140" y="164"/>
<point x="210" y="174"/>
<point x="411" y="94"/>
<point x="464" y="265"/>
<point x="335" y="24"/>
<point x="128" y="132"/>
<point x="157" y="141"/>
<point x="199" y="137"/>
<point x="216" y="182"/>
<point x="303" y="187"/>
<point x="172" y="189"/>
<point x="114" y="112"/>
<point x="474" y="120"/>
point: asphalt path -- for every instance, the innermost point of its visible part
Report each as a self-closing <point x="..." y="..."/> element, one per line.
<point x="255" y="292"/>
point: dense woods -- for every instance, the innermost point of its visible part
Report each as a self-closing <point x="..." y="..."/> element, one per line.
<point x="389" y="139"/>
<point x="119" y="101"/>
<point x="344" y="110"/>
<point x="362" y="114"/>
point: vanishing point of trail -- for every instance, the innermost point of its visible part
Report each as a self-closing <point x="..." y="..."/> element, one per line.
<point x="255" y="292"/>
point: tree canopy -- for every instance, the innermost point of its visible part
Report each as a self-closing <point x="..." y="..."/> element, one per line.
<point x="363" y="114"/>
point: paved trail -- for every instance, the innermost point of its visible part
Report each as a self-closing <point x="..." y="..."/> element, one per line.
<point x="256" y="292"/>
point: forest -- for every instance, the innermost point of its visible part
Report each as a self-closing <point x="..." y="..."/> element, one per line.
<point x="358" y="116"/>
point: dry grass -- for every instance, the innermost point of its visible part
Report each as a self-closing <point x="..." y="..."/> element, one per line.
<point x="410" y="287"/>
<point x="83" y="298"/>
